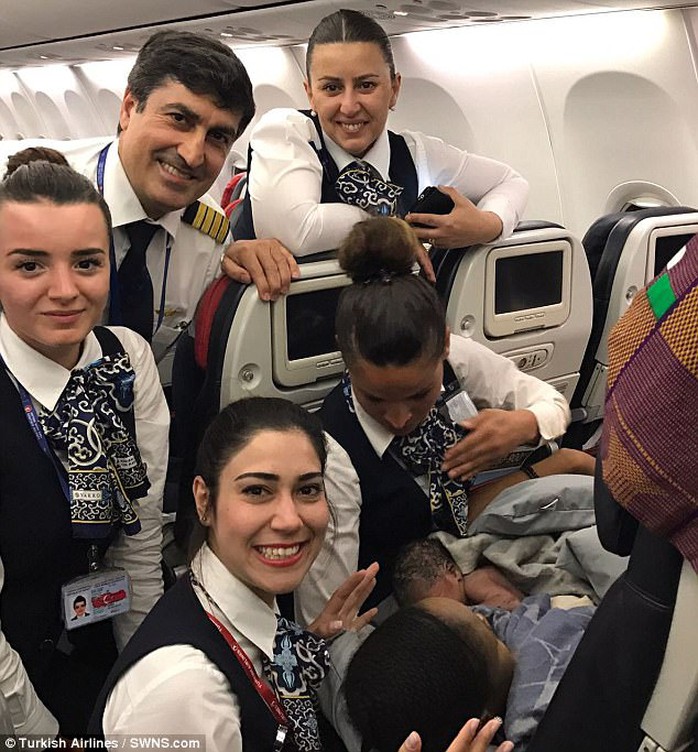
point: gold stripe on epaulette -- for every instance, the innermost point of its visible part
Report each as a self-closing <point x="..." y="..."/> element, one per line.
<point x="217" y="224"/>
<point x="211" y="222"/>
<point x="208" y="220"/>
<point x="223" y="229"/>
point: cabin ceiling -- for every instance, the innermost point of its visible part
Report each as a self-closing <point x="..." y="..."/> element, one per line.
<point x="37" y="32"/>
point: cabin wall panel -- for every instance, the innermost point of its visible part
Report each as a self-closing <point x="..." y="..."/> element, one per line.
<point x="8" y="121"/>
<point x="277" y="81"/>
<point x="29" y="121"/>
<point x="46" y="88"/>
<point x="578" y="105"/>
<point x="103" y="84"/>
<point x="474" y="93"/>
<point x="620" y="95"/>
<point x="16" y="114"/>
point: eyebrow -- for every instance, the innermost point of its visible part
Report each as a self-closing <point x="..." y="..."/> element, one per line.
<point x="274" y="477"/>
<point x="35" y="253"/>
<point x="356" y="79"/>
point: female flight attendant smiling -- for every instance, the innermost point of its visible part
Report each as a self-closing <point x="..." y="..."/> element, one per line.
<point x="214" y="638"/>
<point x="352" y="85"/>
<point x="211" y="658"/>
<point x="83" y="417"/>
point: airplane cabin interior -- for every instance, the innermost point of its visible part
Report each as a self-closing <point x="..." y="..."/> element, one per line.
<point x="594" y="102"/>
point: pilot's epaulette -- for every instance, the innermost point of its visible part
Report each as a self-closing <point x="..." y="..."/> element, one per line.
<point x="208" y="220"/>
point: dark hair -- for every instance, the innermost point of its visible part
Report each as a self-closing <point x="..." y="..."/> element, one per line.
<point x="237" y="423"/>
<point x="349" y="26"/>
<point x="415" y="673"/>
<point x="389" y="316"/>
<point x="417" y="565"/>
<point x="57" y="183"/>
<point x="79" y="599"/>
<point x="33" y="154"/>
<point x="202" y="64"/>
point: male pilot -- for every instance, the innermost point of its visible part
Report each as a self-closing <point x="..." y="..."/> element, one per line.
<point x="187" y="99"/>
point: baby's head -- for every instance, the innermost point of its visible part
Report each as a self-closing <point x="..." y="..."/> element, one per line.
<point x="425" y="569"/>
<point x="427" y="668"/>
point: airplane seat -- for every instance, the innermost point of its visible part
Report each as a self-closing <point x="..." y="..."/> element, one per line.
<point x="445" y="260"/>
<point x="633" y="681"/>
<point x="232" y="198"/>
<point x="624" y="251"/>
<point x="632" y="685"/>
<point x="230" y="210"/>
<point x="595" y="238"/>
<point x="527" y="297"/>
<point x="245" y="347"/>
<point x="195" y="391"/>
<point x="233" y="188"/>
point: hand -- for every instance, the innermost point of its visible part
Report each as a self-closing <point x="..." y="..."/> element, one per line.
<point x="489" y="586"/>
<point x="341" y="612"/>
<point x="493" y="435"/>
<point x="464" y="225"/>
<point x="425" y="262"/>
<point x="266" y="263"/>
<point x="469" y="739"/>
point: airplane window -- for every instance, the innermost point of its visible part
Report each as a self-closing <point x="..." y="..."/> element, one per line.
<point x="643" y="203"/>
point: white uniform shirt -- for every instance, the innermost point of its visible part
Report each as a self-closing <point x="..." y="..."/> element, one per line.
<point x="285" y="181"/>
<point x="176" y="689"/>
<point x="490" y="380"/>
<point x="194" y="257"/>
<point x="139" y="554"/>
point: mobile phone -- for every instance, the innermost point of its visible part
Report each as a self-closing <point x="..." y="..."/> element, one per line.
<point x="431" y="201"/>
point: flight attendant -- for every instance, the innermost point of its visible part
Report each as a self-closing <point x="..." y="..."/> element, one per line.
<point x="419" y="412"/>
<point x="214" y="638"/>
<point x="297" y="158"/>
<point x="83" y="452"/>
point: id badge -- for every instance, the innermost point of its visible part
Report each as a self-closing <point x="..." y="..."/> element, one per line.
<point x="459" y="406"/>
<point x="95" y="597"/>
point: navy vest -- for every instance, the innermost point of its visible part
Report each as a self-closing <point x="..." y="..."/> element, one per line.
<point x="401" y="172"/>
<point x="178" y="618"/>
<point x="38" y="551"/>
<point x="394" y="509"/>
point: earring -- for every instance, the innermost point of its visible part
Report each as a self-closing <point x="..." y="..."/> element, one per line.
<point x="203" y="517"/>
<point x="313" y="113"/>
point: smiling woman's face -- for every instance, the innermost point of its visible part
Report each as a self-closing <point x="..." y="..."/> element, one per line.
<point x="54" y="274"/>
<point x="352" y="90"/>
<point x="269" y="519"/>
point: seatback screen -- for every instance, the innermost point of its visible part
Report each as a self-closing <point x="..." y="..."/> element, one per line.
<point x="666" y="247"/>
<point x="528" y="281"/>
<point x="310" y="323"/>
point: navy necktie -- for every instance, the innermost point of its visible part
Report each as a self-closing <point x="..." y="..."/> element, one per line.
<point x="135" y="284"/>
<point x="422" y="453"/>
<point x="360" y="184"/>
<point x="300" y="663"/>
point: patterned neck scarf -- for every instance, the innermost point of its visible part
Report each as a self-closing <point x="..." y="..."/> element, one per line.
<point x="300" y="663"/>
<point x="422" y="453"/>
<point x="360" y="184"/>
<point x="105" y="470"/>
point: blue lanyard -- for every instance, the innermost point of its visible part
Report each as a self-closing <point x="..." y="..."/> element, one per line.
<point x="37" y="430"/>
<point x="114" y="288"/>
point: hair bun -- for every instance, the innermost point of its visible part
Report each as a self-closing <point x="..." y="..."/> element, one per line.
<point x="379" y="249"/>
